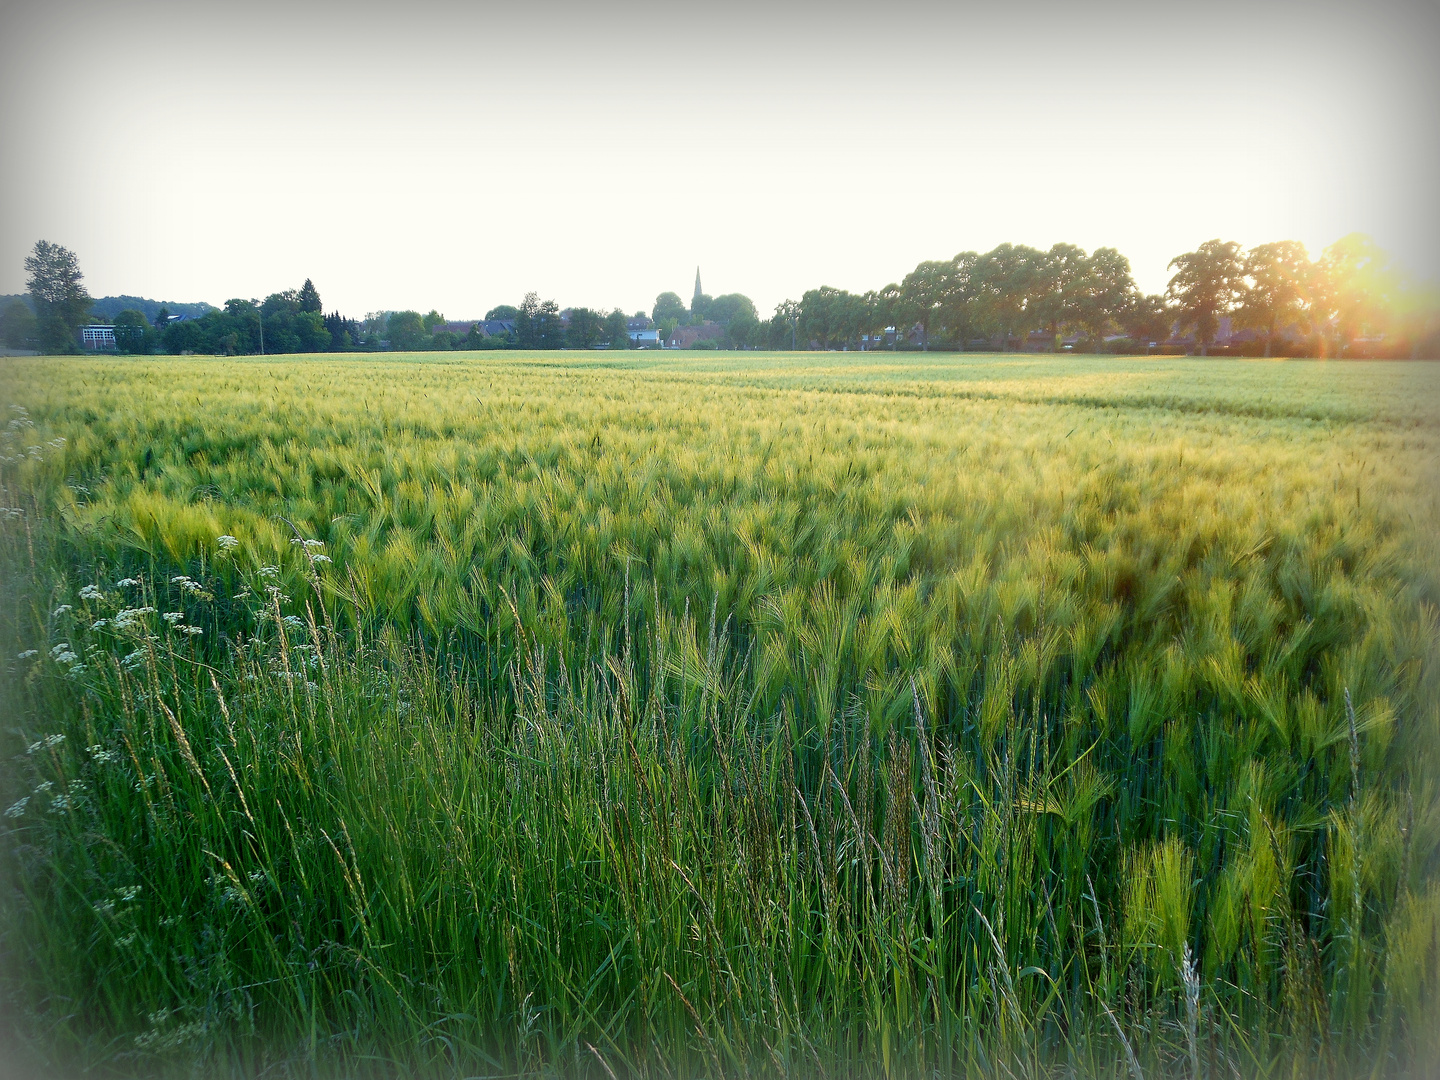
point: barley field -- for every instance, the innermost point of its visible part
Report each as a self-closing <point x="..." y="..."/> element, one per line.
<point x="732" y="714"/>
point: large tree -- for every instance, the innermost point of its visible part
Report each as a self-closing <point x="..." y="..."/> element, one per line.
<point x="310" y="298"/>
<point x="1208" y="283"/>
<point x="617" y="330"/>
<point x="958" y="312"/>
<point x="668" y="305"/>
<point x="406" y="330"/>
<point x="1105" y="293"/>
<point x="822" y="315"/>
<point x="727" y="307"/>
<point x="1006" y="284"/>
<point x="61" y="302"/>
<point x="1058" y="294"/>
<point x="925" y="289"/>
<point x="538" y="325"/>
<point x="1277" y="286"/>
<point x="586" y="329"/>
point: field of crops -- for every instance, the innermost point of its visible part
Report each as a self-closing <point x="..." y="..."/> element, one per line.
<point x="715" y="714"/>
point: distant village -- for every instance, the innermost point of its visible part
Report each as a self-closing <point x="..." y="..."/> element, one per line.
<point x="1272" y="300"/>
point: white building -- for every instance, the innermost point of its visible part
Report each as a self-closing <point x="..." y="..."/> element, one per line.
<point x="98" y="338"/>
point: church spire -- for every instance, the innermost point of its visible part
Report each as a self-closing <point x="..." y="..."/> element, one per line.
<point x="696" y="301"/>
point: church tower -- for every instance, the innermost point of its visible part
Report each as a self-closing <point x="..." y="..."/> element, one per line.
<point x="695" y="303"/>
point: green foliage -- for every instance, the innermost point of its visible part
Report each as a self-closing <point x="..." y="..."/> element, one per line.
<point x="309" y="299"/>
<point x="53" y="279"/>
<point x="668" y="305"/>
<point x="616" y="330"/>
<point x="18" y="328"/>
<point x="406" y="330"/>
<point x="586" y="329"/>
<point x="731" y="307"/>
<point x="753" y="714"/>
<point x="134" y="334"/>
<point x="538" y="325"/>
<point x="1208" y="283"/>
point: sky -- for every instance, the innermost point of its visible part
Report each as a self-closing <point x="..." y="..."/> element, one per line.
<point x="439" y="155"/>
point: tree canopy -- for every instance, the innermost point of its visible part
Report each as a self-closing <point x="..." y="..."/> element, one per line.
<point x="310" y="298"/>
<point x="1208" y="283"/>
<point x="668" y="305"/>
<point x="61" y="302"/>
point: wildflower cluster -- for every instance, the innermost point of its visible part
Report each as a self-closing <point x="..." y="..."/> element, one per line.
<point x="15" y="446"/>
<point x="49" y="742"/>
<point x="102" y="756"/>
<point x="190" y="587"/>
<point x="67" y="658"/>
<point x="312" y="550"/>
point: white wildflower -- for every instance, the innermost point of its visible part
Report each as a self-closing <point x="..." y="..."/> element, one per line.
<point x="134" y="660"/>
<point x="293" y="621"/>
<point x="27" y="654"/>
<point x="309" y="543"/>
<point x="59" y="804"/>
<point x="17" y="808"/>
<point x="91" y="592"/>
<point x="126" y="583"/>
<point x="128" y="893"/>
<point x="61" y="610"/>
<point x="49" y="742"/>
<point x="101" y="756"/>
<point x="193" y="631"/>
<point x="173" y="617"/>
<point x="130" y="618"/>
<point x="227" y="542"/>
<point x="99" y="624"/>
<point x="269" y="571"/>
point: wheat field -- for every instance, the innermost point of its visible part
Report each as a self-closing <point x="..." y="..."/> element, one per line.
<point x="871" y="714"/>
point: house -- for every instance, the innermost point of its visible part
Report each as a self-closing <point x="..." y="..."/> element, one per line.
<point x="682" y="337"/>
<point x="98" y="337"/>
<point x="500" y="327"/>
<point x="646" y="338"/>
<point x="458" y="328"/>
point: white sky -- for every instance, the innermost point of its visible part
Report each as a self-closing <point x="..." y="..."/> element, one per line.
<point x="454" y="156"/>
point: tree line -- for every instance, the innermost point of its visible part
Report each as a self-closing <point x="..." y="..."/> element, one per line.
<point x="1014" y="297"/>
<point x="1350" y="299"/>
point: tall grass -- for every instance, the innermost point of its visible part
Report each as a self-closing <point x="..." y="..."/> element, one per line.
<point x="671" y="724"/>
